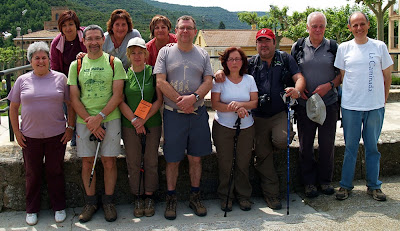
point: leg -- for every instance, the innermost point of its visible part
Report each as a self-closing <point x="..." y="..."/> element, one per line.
<point x="54" y="164"/>
<point x="194" y="170"/>
<point x="171" y="172"/>
<point x="151" y="160"/>
<point x="87" y="164"/>
<point x="110" y="174"/>
<point x="33" y="163"/>
<point x="133" y="156"/>
<point x="371" y="131"/>
<point x="352" y="133"/>
<point x="307" y="129"/>
<point x="326" y="141"/>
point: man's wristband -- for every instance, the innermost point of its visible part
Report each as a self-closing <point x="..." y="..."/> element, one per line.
<point x="103" y="115"/>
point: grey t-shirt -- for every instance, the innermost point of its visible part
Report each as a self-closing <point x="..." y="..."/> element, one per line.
<point x="184" y="70"/>
<point x="317" y="67"/>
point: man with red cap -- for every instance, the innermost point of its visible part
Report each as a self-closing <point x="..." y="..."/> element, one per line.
<point x="275" y="73"/>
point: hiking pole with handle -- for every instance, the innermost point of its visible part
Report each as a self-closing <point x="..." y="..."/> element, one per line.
<point x="235" y="140"/>
<point x="288" y="154"/>
<point x="93" y="138"/>
<point x="143" y="143"/>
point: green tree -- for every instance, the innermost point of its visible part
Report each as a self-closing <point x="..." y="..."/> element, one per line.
<point x="379" y="9"/>
<point x="277" y="20"/>
<point x="221" y="25"/>
<point x="250" y="18"/>
<point x="9" y="56"/>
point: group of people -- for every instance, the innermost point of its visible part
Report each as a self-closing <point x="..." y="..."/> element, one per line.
<point x="116" y="73"/>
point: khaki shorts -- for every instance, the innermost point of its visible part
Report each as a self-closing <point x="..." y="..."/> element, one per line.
<point x="110" y="146"/>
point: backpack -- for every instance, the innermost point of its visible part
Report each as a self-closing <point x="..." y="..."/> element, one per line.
<point x="79" y="66"/>
<point x="298" y="49"/>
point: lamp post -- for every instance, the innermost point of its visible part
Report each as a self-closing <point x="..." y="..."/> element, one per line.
<point x="22" y="37"/>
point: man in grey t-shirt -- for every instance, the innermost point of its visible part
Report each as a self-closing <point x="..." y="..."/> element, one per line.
<point x="184" y="77"/>
<point x="316" y="60"/>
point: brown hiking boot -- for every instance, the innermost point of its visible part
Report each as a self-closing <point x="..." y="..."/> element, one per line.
<point x="245" y="204"/>
<point x="170" y="208"/>
<point x="149" y="207"/>
<point x="342" y="194"/>
<point x="327" y="189"/>
<point x="110" y="213"/>
<point x="196" y="205"/>
<point x="138" y="211"/>
<point x="87" y="213"/>
<point x="377" y="194"/>
<point x="223" y="205"/>
<point x="273" y="202"/>
<point x="310" y="191"/>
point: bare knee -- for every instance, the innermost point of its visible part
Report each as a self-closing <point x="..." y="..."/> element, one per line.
<point x="109" y="163"/>
<point x="87" y="163"/>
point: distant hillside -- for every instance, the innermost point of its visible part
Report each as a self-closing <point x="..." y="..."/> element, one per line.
<point x="98" y="12"/>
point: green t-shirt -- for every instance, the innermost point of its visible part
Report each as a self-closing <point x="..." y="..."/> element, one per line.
<point x="96" y="81"/>
<point x="133" y="95"/>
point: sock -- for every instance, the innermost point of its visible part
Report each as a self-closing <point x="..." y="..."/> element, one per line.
<point x="194" y="189"/>
<point x="171" y="192"/>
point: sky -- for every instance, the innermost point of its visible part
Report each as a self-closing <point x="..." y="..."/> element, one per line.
<point x="263" y="5"/>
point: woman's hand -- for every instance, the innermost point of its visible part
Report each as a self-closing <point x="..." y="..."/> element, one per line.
<point x="67" y="135"/>
<point x="242" y="112"/>
<point x="20" y="139"/>
<point x="234" y="106"/>
<point x="138" y="123"/>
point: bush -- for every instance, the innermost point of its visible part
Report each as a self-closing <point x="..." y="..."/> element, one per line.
<point x="395" y="80"/>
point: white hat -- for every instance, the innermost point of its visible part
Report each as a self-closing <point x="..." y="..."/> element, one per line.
<point x="136" y="42"/>
<point x="316" y="110"/>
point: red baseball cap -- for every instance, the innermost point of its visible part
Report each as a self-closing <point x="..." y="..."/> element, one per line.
<point x="265" y="33"/>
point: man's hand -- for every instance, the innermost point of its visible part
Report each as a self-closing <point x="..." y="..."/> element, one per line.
<point x="292" y="92"/>
<point x="99" y="133"/>
<point x="93" y="122"/>
<point x="186" y="102"/>
<point x="219" y="76"/>
<point x="322" y="89"/>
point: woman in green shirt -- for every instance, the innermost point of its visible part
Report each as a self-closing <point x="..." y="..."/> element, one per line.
<point x="142" y="125"/>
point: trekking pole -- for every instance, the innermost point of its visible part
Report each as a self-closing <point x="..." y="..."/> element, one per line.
<point x="235" y="140"/>
<point x="141" y="171"/>
<point x="93" y="138"/>
<point x="288" y="154"/>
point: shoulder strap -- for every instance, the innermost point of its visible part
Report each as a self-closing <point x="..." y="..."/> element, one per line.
<point x="285" y="74"/>
<point x="332" y="47"/>
<point x="298" y="49"/>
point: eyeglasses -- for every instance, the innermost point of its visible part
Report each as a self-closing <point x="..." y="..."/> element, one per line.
<point x="189" y="28"/>
<point x="94" y="39"/>
<point x="234" y="60"/>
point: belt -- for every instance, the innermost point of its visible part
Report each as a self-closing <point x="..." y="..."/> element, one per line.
<point x="169" y="108"/>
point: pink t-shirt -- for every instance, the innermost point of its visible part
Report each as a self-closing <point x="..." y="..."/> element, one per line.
<point x="42" y="100"/>
<point x="153" y="52"/>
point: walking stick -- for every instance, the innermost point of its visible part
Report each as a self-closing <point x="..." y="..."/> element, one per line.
<point x="93" y="138"/>
<point x="288" y="154"/>
<point x="235" y="140"/>
<point x="143" y="143"/>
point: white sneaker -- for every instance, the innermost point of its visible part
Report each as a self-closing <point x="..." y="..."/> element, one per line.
<point x="31" y="218"/>
<point x="60" y="216"/>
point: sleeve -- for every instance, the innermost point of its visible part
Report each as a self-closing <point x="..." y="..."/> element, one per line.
<point x="253" y="85"/>
<point x="160" y="67"/>
<point x="54" y="64"/>
<point x="119" y="71"/>
<point x="293" y="67"/>
<point x="208" y="70"/>
<point x="386" y="59"/>
<point x="339" y="60"/>
<point x="15" y="93"/>
<point x="136" y="33"/>
<point x="72" y="74"/>
<point x="216" y="87"/>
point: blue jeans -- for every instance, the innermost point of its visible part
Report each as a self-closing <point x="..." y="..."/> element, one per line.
<point x="369" y="124"/>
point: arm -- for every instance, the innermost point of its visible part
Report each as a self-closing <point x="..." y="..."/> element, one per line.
<point x="240" y="107"/>
<point x="166" y="88"/>
<point x="71" y="122"/>
<point x="300" y="85"/>
<point x="323" y="89"/>
<point x="387" y="76"/>
<point x="15" y="124"/>
<point x="93" y="122"/>
<point x="186" y="102"/>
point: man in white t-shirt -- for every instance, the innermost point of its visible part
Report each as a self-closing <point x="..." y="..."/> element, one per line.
<point x="365" y="65"/>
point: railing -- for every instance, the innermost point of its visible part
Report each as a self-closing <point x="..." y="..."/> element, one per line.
<point x="8" y="73"/>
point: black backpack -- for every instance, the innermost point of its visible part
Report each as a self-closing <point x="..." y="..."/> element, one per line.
<point x="298" y="49"/>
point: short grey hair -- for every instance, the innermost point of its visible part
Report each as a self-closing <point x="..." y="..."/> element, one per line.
<point x="357" y="12"/>
<point x="316" y="13"/>
<point x="93" y="27"/>
<point x="35" y="47"/>
<point x="185" y="18"/>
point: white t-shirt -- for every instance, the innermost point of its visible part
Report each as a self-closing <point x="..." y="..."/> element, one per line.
<point x="234" y="92"/>
<point x="363" y="82"/>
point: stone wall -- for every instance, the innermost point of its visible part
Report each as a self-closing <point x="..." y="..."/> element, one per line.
<point x="12" y="181"/>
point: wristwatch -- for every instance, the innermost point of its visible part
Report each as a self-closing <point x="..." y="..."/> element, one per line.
<point x="70" y="127"/>
<point x="197" y="96"/>
<point x="103" y="115"/>
<point x="332" y="84"/>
